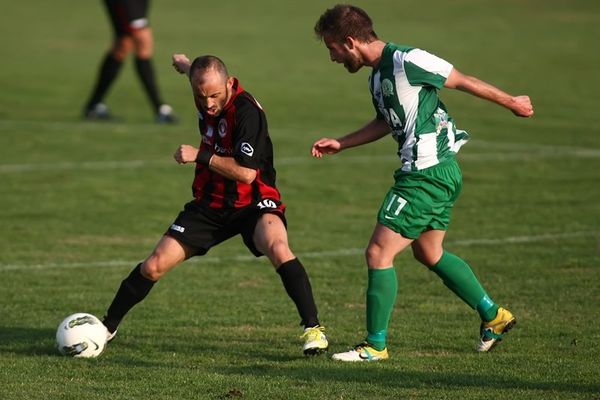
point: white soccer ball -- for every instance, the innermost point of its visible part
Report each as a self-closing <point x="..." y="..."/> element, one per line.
<point x="81" y="335"/>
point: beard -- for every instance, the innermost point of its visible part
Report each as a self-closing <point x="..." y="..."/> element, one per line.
<point x="218" y="108"/>
<point x="352" y="65"/>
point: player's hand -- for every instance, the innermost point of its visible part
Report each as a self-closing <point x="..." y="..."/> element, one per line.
<point x="521" y="106"/>
<point x="325" y="146"/>
<point x="181" y="63"/>
<point x="185" y="154"/>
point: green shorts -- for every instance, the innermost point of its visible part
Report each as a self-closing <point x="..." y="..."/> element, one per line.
<point x="422" y="200"/>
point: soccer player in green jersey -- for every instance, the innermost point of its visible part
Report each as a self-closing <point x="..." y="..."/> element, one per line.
<point x="404" y="85"/>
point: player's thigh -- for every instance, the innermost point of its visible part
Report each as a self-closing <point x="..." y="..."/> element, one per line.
<point x="167" y="254"/>
<point x="143" y="42"/>
<point x="270" y="238"/>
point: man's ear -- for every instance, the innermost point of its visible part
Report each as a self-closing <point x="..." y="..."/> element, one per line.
<point x="230" y="82"/>
<point x="349" y="42"/>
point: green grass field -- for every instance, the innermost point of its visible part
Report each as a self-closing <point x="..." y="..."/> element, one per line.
<point x="81" y="203"/>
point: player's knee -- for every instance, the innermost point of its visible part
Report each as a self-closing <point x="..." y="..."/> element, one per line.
<point x="143" y="53"/>
<point x="375" y="256"/>
<point x="152" y="268"/>
<point x="427" y="258"/>
<point x="279" y="251"/>
<point x="121" y="48"/>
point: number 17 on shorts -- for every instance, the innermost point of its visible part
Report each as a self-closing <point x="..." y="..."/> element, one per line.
<point x="390" y="214"/>
<point x="392" y="206"/>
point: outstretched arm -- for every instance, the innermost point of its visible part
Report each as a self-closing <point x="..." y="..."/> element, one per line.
<point x="181" y="63"/>
<point x="520" y="105"/>
<point x="376" y="129"/>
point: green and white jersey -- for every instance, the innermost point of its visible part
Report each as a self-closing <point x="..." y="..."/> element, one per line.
<point x="405" y="87"/>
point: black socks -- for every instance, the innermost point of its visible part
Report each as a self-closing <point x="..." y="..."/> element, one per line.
<point x="145" y="72"/>
<point x="108" y="72"/>
<point x="133" y="289"/>
<point x="296" y="283"/>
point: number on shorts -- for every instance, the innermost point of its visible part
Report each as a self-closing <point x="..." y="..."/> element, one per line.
<point x="392" y="204"/>
<point x="267" y="203"/>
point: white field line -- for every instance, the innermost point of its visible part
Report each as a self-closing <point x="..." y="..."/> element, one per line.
<point x="504" y="152"/>
<point x="308" y="255"/>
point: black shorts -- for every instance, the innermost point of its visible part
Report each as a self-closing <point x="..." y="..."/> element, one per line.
<point x="127" y="15"/>
<point x="200" y="227"/>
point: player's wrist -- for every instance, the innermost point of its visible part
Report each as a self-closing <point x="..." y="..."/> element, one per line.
<point x="204" y="157"/>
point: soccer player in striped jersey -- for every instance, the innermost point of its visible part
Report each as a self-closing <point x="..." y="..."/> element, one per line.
<point x="234" y="194"/>
<point x="404" y="84"/>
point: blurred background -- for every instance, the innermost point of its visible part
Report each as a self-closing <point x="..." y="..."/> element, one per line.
<point x="81" y="202"/>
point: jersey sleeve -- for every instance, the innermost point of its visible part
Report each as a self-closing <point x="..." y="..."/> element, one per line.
<point x="250" y="134"/>
<point x="425" y="69"/>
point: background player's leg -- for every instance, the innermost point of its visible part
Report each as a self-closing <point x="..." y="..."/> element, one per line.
<point x="109" y="69"/>
<point x="144" y="49"/>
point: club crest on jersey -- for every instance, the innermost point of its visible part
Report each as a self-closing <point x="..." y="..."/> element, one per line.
<point x="247" y="149"/>
<point x="222" y="127"/>
<point x="387" y="88"/>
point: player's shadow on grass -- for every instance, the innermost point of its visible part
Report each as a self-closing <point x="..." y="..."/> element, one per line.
<point x="373" y="375"/>
<point x="27" y="341"/>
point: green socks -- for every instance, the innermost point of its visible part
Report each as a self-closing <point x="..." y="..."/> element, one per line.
<point x="458" y="277"/>
<point x="454" y="272"/>
<point x="381" y="296"/>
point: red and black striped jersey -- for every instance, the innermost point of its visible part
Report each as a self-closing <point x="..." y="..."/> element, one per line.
<point x="241" y="132"/>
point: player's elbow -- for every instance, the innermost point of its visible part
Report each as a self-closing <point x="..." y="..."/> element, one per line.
<point x="456" y="80"/>
<point x="247" y="176"/>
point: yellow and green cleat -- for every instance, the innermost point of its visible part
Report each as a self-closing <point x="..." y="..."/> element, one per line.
<point x="493" y="331"/>
<point x="362" y="352"/>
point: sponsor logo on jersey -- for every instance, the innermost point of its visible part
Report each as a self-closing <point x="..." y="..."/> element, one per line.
<point x="387" y="87"/>
<point x="247" y="149"/>
<point x="441" y="120"/>
<point x="177" y="228"/>
<point x="222" y="127"/>
<point x="223" y="150"/>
